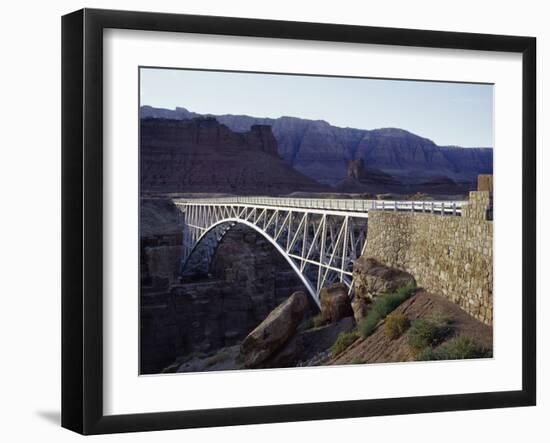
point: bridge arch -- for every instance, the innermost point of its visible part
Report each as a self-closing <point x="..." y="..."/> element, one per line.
<point x="226" y="224"/>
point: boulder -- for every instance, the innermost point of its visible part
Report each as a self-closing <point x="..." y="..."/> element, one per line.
<point x="360" y="307"/>
<point x="373" y="278"/>
<point x="309" y="344"/>
<point x="271" y="334"/>
<point x="335" y="302"/>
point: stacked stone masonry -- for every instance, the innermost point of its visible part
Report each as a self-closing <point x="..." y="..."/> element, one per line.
<point x="447" y="255"/>
<point x="480" y="206"/>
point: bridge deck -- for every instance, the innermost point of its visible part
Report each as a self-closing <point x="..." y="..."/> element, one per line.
<point x="321" y="204"/>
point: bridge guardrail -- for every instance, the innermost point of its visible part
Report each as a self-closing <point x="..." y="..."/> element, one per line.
<point x="426" y="206"/>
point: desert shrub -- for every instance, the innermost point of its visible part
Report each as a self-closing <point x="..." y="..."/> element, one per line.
<point x="382" y="306"/>
<point x="457" y="348"/>
<point x="343" y="341"/>
<point x="368" y="324"/>
<point x="386" y="303"/>
<point x="406" y="291"/>
<point x="319" y="320"/>
<point x="395" y="325"/>
<point x="429" y="331"/>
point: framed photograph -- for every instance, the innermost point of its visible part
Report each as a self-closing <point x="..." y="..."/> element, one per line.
<point x="269" y="221"/>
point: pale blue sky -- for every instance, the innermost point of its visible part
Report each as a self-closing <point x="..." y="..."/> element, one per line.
<point x="447" y="113"/>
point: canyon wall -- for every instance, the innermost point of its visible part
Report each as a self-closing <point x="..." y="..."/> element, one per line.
<point x="203" y="155"/>
<point x="322" y="151"/>
<point x="249" y="279"/>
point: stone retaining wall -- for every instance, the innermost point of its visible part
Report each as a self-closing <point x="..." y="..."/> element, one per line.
<point x="447" y="255"/>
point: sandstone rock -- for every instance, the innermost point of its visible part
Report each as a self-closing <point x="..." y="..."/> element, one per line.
<point x="356" y="168"/>
<point x="306" y="345"/>
<point x="163" y="262"/>
<point x="262" y="137"/>
<point x="202" y="155"/>
<point x="359" y="305"/>
<point x="372" y="278"/>
<point x="335" y="302"/>
<point x="274" y="331"/>
<point x="321" y="151"/>
<point x="159" y="218"/>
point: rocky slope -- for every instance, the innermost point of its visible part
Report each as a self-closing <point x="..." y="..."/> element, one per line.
<point x="202" y="155"/>
<point x="280" y="341"/>
<point x="309" y="347"/>
<point x="378" y="348"/>
<point x="289" y="337"/>
<point x="322" y="151"/>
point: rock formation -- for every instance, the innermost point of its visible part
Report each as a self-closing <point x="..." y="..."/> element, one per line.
<point x="202" y="155"/>
<point x="335" y="302"/>
<point x="373" y="278"/>
<point x="308" y="347"/>
<point x="356" y="169"/>
<point x="275" y="330"/>
<point x="361" y="179"/>
<point x="160" y="244"/>
<point x="360" y="307"/>
<point x="322" y="151"/>
<point x="249" y="279"/>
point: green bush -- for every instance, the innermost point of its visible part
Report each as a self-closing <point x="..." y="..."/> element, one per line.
<point x="382" y="306"/>
<point x="368" y="324"/>
<point x="429" y="331"/>
<point x="343" y="341"/>
<point x="395" y="325"/>
<point x="386" y="303"/>
<point x="457" y="348"/>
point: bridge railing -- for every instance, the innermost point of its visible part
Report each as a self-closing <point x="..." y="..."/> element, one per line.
<point x="427" y="206"/>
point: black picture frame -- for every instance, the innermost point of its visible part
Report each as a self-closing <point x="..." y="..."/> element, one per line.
<point x="82" y="218"/>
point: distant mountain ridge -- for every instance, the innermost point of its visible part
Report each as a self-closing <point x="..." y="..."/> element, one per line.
<point x="322" y="151"/>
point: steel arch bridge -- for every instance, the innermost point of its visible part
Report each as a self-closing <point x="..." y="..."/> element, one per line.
<point x="319" y="238"/>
